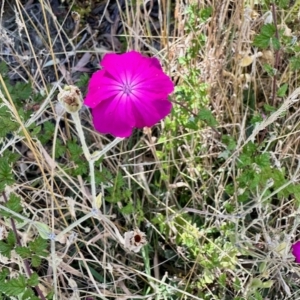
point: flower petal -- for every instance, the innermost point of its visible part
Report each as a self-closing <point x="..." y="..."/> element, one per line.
<point x="122" y="67"/>
<point x="296" y="251"/>
<point x="149" y="113"/>
<point x="101" y="87"/>
<point x="130" y="91"/>
<point x="113" y="117"/>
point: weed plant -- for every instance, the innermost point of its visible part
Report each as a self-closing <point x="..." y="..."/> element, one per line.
<point x="214" y="187"/>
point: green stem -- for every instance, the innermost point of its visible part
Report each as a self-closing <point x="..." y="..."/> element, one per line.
<point x="95" y="156"/>
<point x="73" y="225"/>
<point x="16" y="214"/>
<point x="78" y="126"/>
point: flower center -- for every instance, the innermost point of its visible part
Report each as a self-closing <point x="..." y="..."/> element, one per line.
<point x="127" y="89"/>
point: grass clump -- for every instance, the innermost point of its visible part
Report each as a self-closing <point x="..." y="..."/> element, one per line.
<point x="214" y="188"/>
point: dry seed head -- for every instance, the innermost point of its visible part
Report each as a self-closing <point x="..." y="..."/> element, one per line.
<point x="71" y="98"/>
<point x="135" y="240"/>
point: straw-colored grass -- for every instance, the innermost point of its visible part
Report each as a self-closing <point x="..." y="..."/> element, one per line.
<point x="215" y="192"/>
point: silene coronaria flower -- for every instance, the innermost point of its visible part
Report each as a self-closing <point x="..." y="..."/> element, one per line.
<point x="130" y="91"/>
<point x="296" y="251"/>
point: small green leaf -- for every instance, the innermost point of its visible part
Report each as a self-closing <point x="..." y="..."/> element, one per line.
<point x="283" y="4"/>
<point x="3" y="68"/>
<point x="261" y="41"/>
<point x="33" y="280"/>
<point x="5" y="249"/>
<point x="36" y="130"/>
<point x="14" y="287"/>
<point x="22" y="91"/>
<point x="14" y="204"/>
<point x="12" y="157"/>
<point x="36" y="261"/>
<point x="80" y="169"/>
<point x="29" y="295"/>
<point x="60" y="149"/>
<point x="266" y="37"/>
<point x="39" y="246"/>
<point x="229" y="141"/>
<point x="6" y="177"/>
<point x="75" y="149"/>
<point x="127" y="209"/>
<point x="270" y="70"/>
<point x="269" y="108"/>
<point x="268" y="30"/>
<point x="274" y="43"/>
<point x="295" y="63"/>
<point x="263" y="160"/>
<point x="24" y="252"/>
<point x="257" y="283"/>
<point x="207" y="116"/>
<point x="43" y="229"/>
<point x="47" y="133"/>
<point x="11" y="239"/>
<point x="83" y="80"/>
<point x="222" y="280"/>
<point x="7" y="123"/>
<point x="50" y="296"/>
<point x="282" y="90"/>
<point x="3" y="274"/>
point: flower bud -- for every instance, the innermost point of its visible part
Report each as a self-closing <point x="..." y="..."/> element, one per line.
<point x="71" y="98"/>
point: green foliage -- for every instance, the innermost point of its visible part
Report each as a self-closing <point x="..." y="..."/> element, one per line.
<point x="39" y="246"/>
<point x="60" y="149"/>
<point x="207" y="116"/>
<point x="21" y="91"/>
<point x="103" y="176"/>
<point x="83" y="80"/>
<point x="14" y="287"/>
<point x="76" y="155"/>
<point x="256" y="173"/>
<point x="35" y="250"/>
<point x="14" y="204"/>
<point x="3" y="68"/>
<point x="7" y="123"/>
<point x="24" y="252"/>
<point x="206" y="242"/>
<point x="266" y="38"/>
<point x="127" y="209"/>
<point x="282" y="4"/>
<point x="282" y="90"/>
<point x="33" y="280"/>
<point x="270" y="70"/>
<point x="18" y="92"/>
<point x="47" y="132"/>
<point x="209" y="246"/>
<point x="295" y="63"/>
<point x="191" y="95"/>
<point x="75" y="149"/>
<point x="17" y="287"/>
<point x="118" y="192"/>
<point x="8" y="246"/>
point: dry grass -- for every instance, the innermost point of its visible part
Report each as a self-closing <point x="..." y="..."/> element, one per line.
<point x="177" y="178"/>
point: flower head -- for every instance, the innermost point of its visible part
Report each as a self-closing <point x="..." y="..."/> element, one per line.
<point x="70" y="98"/>
<point x="296" y="251"/>
<point x="135" y="240"/>
<point x="130" y="91"/>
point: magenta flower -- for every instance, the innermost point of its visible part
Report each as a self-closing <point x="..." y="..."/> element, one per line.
<point x="296" y="251"/>
<point x="131" y="91"/>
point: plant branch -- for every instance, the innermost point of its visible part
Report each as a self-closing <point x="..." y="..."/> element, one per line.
<point x="26" y="263"/>
<point x="277" y="56"/>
